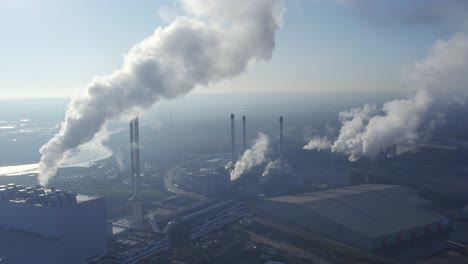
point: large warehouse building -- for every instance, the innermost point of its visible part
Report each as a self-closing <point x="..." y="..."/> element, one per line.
<point x="369" y="216"/>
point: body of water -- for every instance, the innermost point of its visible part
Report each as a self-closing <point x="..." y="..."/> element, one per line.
<point x="86" y="156"/>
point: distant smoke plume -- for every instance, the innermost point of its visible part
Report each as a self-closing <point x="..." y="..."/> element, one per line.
<point x="439" y="79"/>
<point x="216" y="40"/>
<point x="228" y="166"/>
<point x="254" y="156"/>
<point x="318" y="143"/>
<point x="270" y="166"/>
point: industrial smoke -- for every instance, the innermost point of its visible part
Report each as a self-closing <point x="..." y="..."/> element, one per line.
<point x="254" y="156"/>
<point x="272" y="164"/>
<point x="318" y="143"/>
<point x="438" y="80"/>
<point x="214" y="41"/>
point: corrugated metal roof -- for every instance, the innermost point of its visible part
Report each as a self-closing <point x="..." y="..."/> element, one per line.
<point x="371" y="209"/>
<point x="447" y="186"/>
<point x="404" y="195"/>
<point x="297" y="199"/>
<point x="371" y="187"/>
<point x="345" y="191"/>
<point x="328" y="194"/>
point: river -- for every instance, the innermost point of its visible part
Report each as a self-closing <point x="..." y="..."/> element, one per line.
<point x="85" y="157"/>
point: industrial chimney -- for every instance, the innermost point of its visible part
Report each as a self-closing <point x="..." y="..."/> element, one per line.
<point x="244" y="132"/>
<point x="281" y="146"/>
<point x="135" y="174"/>
<point x="233" y="141"/>
<point x="170" y="118"/>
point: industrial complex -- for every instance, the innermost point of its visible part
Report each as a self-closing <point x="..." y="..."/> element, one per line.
<point x="225" y="218"/>
<point x="148" y="238"/>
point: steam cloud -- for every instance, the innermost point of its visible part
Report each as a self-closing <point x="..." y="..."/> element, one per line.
<point x="216" y="40"/>
<point x="270" y="166"/>
<point x="318" y="143"/>
<point x="254" y="156"/>
<point x="439" y="79"/>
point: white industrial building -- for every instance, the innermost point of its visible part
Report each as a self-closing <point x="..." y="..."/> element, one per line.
<point x="369" y="216"/>
<point x="50" y="226"/>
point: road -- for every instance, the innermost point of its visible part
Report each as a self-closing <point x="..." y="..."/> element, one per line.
<point x="170" y="185"/>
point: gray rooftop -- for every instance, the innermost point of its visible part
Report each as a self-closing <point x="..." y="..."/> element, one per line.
<point x="371" y="209"/>
<point x="41" y="197"/>
<point x="133" y="239"/>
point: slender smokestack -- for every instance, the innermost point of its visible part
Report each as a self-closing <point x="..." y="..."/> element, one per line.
<point x="170" y="119"/>
<point x="132" y="154"/>
<point x="244" y="132"/>
<point x="233" y="141"/>
<point x="137" y="159"/>
<point x="281" y="146"/>
<point x="137" y="199"/>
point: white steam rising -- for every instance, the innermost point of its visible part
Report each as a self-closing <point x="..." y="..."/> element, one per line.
<point x="216" y="40"/>
<point x="439" y="79"/>
<point x="272" y="164"/>
<point x="254" y="156"/>
<point x="318" y="143"/>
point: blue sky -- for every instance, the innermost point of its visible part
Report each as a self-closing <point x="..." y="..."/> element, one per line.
<point x="54" y="48"/>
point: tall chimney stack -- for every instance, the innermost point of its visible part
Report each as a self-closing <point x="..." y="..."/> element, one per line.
<point x="137" y="159"/>
<point x="132" y="154"/>
<point x="170" y="118"/>
<point x="137" y="199"/>
<point x="244" y="132"/>
<point x="281" y="146"/>
<point x="233" y="141"/>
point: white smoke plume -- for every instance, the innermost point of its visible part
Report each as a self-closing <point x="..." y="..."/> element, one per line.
<point x="318" y="143"/>
<point x="270" y="166"/>
<point x="228" y="166"/>
<point x="214" y="41"/>
<point x="254" y="156"/>
<point x="439" y="79"/>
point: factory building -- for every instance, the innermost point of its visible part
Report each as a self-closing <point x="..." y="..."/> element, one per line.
<point x="211" y="182"/>
<point x="446" y="190"/>
<point x="63" y="226"/>
<point x="369" y="216"/>
<point x="206" y="218"/>
<point x="135" y="246"/>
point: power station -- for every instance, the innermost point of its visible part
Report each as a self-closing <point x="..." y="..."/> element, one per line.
<point x="61" y="225"/>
